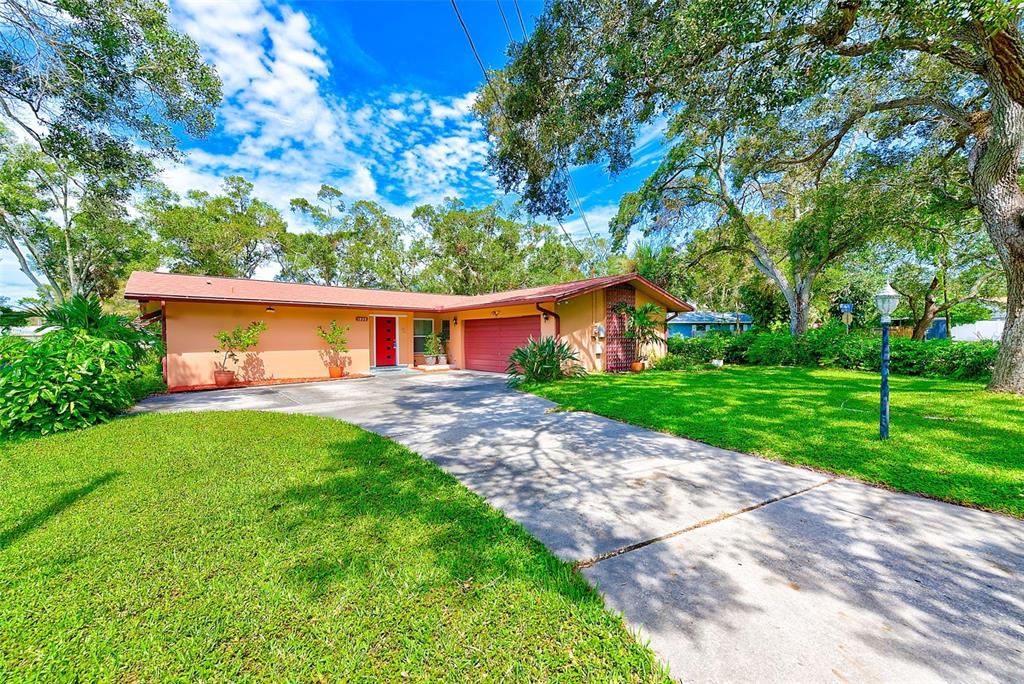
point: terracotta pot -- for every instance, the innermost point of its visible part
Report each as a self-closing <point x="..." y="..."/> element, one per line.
<point x="223" y="378"/>
<point x="636" y="366"/>
<point x="336" y="371"/>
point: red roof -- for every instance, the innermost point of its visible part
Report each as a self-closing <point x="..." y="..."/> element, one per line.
<point x="174" y="287"/>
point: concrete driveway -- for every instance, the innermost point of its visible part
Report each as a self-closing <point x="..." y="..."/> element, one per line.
<point x="734" y="568"/>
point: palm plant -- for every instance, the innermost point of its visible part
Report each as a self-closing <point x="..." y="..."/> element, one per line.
<point x="87" y="315"/>
<point x="543" y="360"/>
<point x="644" y="326"/>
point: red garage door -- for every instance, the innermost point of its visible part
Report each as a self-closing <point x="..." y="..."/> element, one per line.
<point x="489" y="341"/>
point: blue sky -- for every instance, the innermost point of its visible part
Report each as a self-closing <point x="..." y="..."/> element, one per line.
<point x="372" y="97"/>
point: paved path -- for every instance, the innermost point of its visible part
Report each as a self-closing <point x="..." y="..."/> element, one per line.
<point x="735" y="568"/>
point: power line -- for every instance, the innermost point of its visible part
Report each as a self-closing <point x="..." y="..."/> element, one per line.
<point x="504" y="20"/>
<point x="579" y="204"/>
<point x="498" y="99"/>
<point x="522" y="24"/>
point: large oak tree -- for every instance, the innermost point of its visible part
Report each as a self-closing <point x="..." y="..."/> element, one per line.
<point x="817" y="80"/>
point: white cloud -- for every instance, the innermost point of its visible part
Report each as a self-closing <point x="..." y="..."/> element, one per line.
<point x="283" y="126"/>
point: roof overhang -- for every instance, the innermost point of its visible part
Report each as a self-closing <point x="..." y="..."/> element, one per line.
<point x="663" y="297"/>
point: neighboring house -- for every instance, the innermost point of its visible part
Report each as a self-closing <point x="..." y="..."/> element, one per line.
<point x="980" y="330"/>
<point x="32" y="333"/>
<point x="700" y="323"/>
<point x="387" y="328"/>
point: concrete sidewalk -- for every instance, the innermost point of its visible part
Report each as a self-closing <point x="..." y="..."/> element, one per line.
<point x="735" y="568"/>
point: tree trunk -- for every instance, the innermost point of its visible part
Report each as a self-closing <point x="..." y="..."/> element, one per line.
<point x="924" y="323"/>
<point x="1008" y="374"/>
<point x="993" y="166"/>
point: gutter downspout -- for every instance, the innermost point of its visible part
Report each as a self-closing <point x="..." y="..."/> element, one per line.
<point x="558" y="320"/>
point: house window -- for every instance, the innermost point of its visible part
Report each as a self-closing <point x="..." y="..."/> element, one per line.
<point x="421" y="327"/>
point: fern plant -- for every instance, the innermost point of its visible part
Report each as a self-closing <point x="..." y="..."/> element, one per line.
<point x="543" y="360"/>
<point x="85" y="314"/>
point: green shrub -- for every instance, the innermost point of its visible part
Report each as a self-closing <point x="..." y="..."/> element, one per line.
<point x="11" y="348"/>
<point x="773" y="349"/>
<point x="963" y="360"/>
<point x="147" y="380"/>
<point x="85" y="314"/>
<point x="671" y="362"/>
<point x="832" y="347"/>
<point x="231" y="343"/>
<point x="543" y="360"/>
<point x="66" y="380"/>
<point x="738" y="345"/>
<point x="699" y="350"/>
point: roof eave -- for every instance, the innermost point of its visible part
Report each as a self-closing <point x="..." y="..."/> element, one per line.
<point x="276" y="302"/>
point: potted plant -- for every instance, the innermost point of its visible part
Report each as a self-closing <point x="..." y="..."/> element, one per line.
<point x="644" y="326"/>
<point x="231" y="343"/>
<point x="432" y="349"/>
<point x="442" y="356"/>
<point x="336" y="338"/>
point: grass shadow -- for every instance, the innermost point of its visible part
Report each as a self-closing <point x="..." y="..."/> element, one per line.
<point x="59" y="505"/>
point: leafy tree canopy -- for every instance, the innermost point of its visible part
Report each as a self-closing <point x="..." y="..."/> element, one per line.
<point x="87" y="78"/>
<point x="230" y="234"/>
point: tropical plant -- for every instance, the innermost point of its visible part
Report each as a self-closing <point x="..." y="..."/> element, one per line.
<point x="645" y="325"/>
<point x="336" y="336"/>
<point x="238" y="340"/>
<point x="66" y="380"/>
<point x="85" y="314"/>
<point x="543" y="360"/>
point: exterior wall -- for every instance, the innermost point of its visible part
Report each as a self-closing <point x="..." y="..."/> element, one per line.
<point x="289" y="349"/>
<point x="579" y="318"/>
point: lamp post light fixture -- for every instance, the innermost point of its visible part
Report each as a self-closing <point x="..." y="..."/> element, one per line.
<point x="886" y="302"/>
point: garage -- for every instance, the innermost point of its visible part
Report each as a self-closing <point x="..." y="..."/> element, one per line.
<point x="489" y="341"/>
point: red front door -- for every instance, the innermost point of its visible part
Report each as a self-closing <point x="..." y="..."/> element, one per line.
<point x="386" y="341"/>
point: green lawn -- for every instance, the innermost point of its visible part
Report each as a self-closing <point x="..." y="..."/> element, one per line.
<point x="948" y="439"/>
<point x="254" y="546"/>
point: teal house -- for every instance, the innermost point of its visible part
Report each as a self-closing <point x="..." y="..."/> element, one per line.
<point x="700" y="323"/>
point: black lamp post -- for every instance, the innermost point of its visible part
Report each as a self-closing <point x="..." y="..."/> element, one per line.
<point x="886" y="302"/>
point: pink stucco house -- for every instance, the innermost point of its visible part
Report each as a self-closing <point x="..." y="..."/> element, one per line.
<point x="387" y="328"/>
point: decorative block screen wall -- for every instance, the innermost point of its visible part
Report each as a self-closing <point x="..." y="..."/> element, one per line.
<point x="618" y="349"/>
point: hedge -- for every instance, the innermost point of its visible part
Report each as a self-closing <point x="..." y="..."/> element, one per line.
<point x="830" y="346"/>
<point x="67" y="380"/>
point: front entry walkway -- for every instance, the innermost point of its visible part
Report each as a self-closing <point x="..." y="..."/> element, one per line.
<point x="735" y="568"/>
